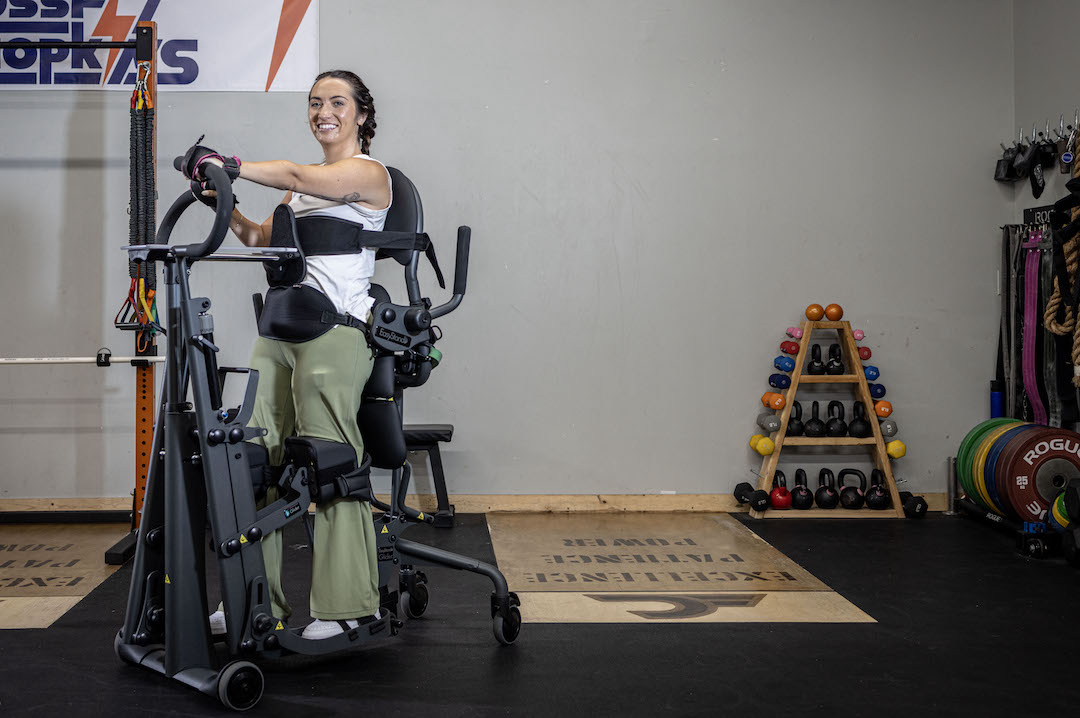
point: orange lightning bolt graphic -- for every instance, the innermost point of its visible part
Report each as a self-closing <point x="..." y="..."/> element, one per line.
<point x="113" y="26"/>
<point x="292" y="13"/>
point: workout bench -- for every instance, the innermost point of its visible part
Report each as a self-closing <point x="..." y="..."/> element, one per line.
<point x="426" y="437"/>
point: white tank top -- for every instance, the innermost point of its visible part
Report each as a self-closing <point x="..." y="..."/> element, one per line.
<point x="344" y="278"/>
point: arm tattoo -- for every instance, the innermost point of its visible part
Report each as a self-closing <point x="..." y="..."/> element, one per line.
<point x="352" y="197"/>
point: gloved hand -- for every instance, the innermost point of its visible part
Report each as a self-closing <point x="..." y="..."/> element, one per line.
<point x="198" y="155"/>
<point x="208" y="196"/>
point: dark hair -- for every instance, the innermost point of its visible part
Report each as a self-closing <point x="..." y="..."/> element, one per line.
<point x="364" y="104"/>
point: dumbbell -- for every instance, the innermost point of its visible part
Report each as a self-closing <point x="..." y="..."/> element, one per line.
<point x="836" y="426"/>
<point x="801" y="496"/>
<point x="877" y="391"/>
<point x="795" y="426"/>
<point x="794" y="332"/>
<point x="747" y="494"/>
<point x="871" y="372"/>
<point x="877" y="496"/>
<point x="789" y="347"/>
<point x="836" y="363"/>
<point x="865" y="353"/>
<point x="888" y="427"/>
<point x="779" y="381"/>
<point x="914" y="506"/>
<point x="784" y="363"/>
<point x="852" y="497"/>
<point x="815" y="366"/>
<point x="768" y="421"/>
<point x="826" y="496"/>
<point x="896" y="449"/>
<point x="858" y="334"/>
<point x="772" y="400"/>
<point x="814" y="426"/>
<point x="762" y="444"/>
<point x="780" y="497"/>
<point x="883" y="409"/>
<point x="859" y="427"/>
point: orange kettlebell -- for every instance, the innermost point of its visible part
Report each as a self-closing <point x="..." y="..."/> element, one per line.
<point x="814" y="312"/>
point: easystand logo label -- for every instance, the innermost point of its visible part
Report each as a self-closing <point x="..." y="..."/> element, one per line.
<point x="85" y="21"/>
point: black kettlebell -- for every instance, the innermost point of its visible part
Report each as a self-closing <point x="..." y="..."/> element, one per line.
<point x="816" y="366"/>
<point x="836" y="426"/>
<point x="859" y="427"/>
<point x="877" y="497"/>
<point x="835" y="365"/>
<point x="852" y="497"/>
<point x="801" y="496"/>
<point x="814" y="425"/>
<point x="795" y="426"/>
<point x="826" y="496"/>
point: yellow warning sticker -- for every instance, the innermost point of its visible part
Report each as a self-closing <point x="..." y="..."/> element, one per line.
<point x="280" y="626"/>
<point x="167" y="579"/>
<point x="385" y="530"/>
<point x="421" y="515"/>
<point x="243" y="538"/>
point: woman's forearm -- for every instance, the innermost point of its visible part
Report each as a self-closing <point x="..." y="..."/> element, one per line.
<point x="249" y="233"/>
<point x="280" y="174"/>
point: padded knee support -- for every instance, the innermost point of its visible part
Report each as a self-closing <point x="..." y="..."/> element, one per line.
<point x="378" y="417"/>
<point x="332" y="468"/>
<point x="262" y="474"/>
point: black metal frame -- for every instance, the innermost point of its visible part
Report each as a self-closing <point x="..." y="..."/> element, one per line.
<point x="200" y="476"/>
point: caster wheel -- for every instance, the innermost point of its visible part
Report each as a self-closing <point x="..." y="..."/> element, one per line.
<point x="506" y="631"/>
<point x="413" y="604"/>
<point x="1035" y="548"/>
<point x="240" y="685"/>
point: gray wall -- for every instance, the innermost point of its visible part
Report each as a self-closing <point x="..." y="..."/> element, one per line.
<point x="656" y="190"/>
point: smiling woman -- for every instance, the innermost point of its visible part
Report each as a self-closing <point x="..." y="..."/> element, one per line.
<point x="312" y="386"/>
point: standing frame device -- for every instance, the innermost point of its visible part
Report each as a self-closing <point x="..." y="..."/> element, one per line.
<point x="201" y="475"/>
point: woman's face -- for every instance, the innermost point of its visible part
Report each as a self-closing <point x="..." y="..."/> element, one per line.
<point x="332" y="111"/>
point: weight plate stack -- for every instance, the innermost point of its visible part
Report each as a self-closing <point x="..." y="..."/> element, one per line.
<point x="967" y="450"/>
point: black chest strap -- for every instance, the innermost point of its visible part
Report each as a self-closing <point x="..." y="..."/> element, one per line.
<point x="327" y="236"/>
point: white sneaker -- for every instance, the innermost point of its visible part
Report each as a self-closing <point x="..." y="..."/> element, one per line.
<point x="319" y="629"/>
<point x="217" y="623"/>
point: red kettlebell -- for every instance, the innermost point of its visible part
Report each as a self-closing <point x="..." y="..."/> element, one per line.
<point x="789" y="347"/>
<point x="780" y="498"/>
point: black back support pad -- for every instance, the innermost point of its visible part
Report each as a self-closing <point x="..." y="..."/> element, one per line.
<point x="406" y="211"/>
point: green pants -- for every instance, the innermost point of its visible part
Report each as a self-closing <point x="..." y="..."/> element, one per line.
<point x="313" y="389"/>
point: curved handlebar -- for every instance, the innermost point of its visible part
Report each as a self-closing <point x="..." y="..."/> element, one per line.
<point x="461" y="273"/>
<point x="220" y="182"/>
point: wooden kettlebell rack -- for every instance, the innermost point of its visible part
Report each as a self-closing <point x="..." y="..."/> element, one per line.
<point x="780" y="438"/>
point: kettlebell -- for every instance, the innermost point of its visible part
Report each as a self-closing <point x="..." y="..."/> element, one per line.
<point x="779" y="381"/>
<point x="814" y="425"/>
<point x="836" y="426"/>
<point x="859" y="427"/>
<point x="835" y="365"/>
<point x="826" y="496"/>
<point x="889" y="427"/>
<point x="852" y="497"/>
<point x="801" y="496"/>
<point x="876" y="496"/>
<point x="780" y="497"/>
<point x="795" y="426"/>
<point x="816" y="366"/>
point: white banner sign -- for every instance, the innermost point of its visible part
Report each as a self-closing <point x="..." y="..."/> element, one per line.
<point x="256" y="45"/>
